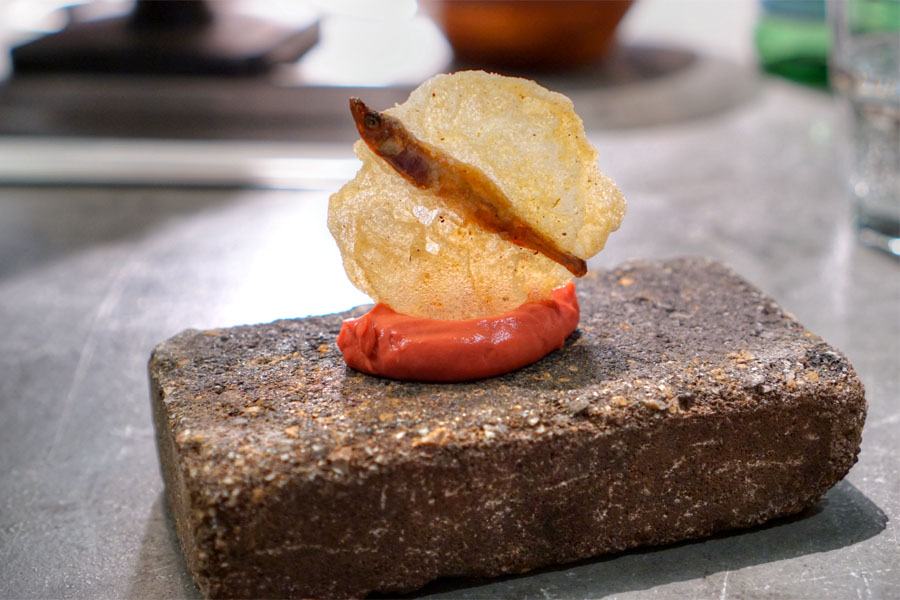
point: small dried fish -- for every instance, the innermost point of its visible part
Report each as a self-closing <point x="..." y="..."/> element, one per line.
<point x="463" y="185"/>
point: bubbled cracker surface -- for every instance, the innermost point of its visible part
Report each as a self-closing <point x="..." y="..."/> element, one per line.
<point x="405" y="247"/>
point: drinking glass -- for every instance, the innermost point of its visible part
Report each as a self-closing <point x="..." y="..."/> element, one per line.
<point x="865" y="72"/>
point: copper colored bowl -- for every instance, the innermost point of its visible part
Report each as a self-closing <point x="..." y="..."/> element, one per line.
<point x="533" y="35"/>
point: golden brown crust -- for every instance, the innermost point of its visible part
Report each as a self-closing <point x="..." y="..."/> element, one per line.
<point x="425" y="256"/>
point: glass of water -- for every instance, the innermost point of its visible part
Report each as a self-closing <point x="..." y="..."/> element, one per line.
<point x="865" y="72"/>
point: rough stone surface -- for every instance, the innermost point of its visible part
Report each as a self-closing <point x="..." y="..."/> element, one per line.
<point x="686" y="403"/>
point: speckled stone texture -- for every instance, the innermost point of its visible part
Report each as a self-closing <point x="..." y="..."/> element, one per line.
<point x="686" y="403"/>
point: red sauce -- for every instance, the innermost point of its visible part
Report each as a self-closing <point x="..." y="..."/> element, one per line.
<point x="384" y="342"/>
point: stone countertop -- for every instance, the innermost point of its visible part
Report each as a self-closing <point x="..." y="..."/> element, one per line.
<point x="92" y="278"/>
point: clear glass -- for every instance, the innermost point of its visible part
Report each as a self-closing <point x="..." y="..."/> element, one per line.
<point x="865" y="72"/>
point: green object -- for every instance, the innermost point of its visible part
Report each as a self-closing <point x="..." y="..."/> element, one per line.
<point x="866" y="16"/>
<point x="794" y="47"/>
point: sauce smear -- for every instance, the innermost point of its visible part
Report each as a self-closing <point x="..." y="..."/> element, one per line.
<point x="386" y="343"/>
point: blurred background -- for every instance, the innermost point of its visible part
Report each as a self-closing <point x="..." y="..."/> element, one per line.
<point x="229" y="92"/>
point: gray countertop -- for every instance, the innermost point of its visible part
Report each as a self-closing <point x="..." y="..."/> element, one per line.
<point x="92" y="278"/>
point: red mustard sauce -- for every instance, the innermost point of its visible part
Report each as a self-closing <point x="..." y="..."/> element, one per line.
<point x="386" y="343"/>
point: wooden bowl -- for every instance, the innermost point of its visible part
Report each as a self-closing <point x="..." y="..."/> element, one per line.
<point x="534" y="35"/>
